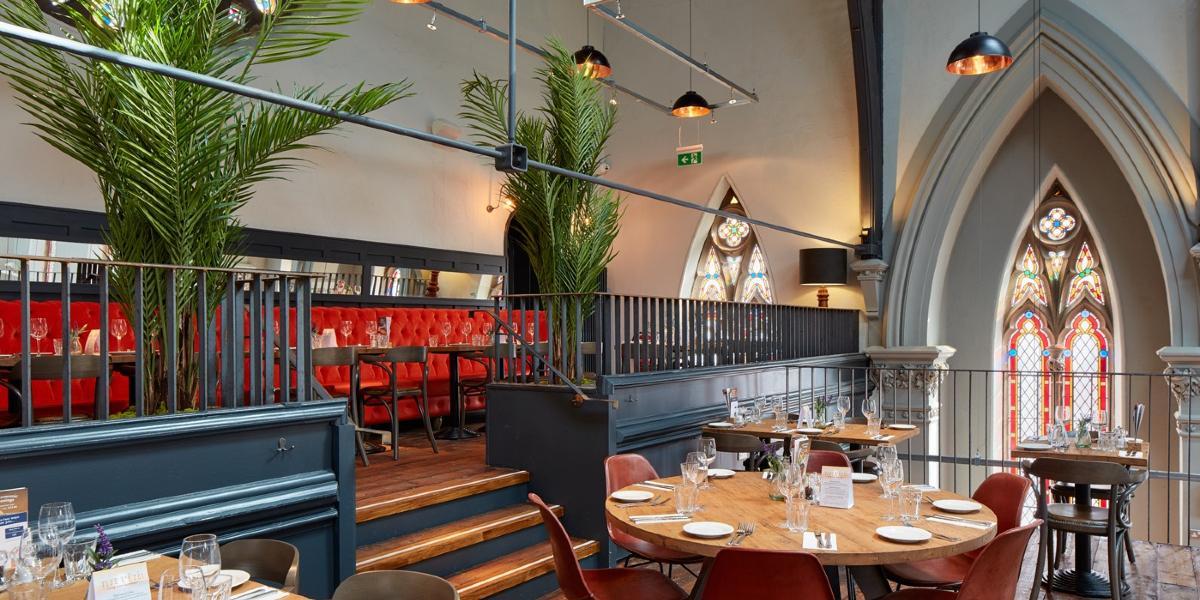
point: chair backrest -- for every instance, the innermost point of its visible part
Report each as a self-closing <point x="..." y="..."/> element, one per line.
<point x="817" y="459"/>
<point x="1085" y="472"/>
<point x="393" y="585"/>
<point x="331" y="357"/>
<point x="275" y="561"/>
<point x="994" y="574"/>
<point x="566" y="566"/>
<point x="1004" y="494"/>
<point x="742" y="574"/>
<point x="407" y="354"/>
<point x="826" y="446"/>
<point x="728" y="441"/>
<point x="621" y="470"/>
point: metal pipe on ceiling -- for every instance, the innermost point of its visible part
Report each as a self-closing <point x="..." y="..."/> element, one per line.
<point x="92" y="52"/>
<point x="483" y="27"/>
<point x="622" y="20"/>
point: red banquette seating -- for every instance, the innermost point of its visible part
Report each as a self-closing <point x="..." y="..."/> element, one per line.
<point x="409" y="327"/>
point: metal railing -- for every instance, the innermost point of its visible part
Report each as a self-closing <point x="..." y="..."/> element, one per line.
<point x="198" y="338"/>
<point x="595" y="335"/>
<point x="968" y="426"/>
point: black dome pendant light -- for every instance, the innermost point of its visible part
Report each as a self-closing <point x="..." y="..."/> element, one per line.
<point x="980" y="53"/>
<point x="589" y="60"/>
<point x="691" y="104"/>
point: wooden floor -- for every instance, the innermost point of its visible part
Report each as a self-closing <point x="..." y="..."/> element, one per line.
<point x="1162" y="572"/>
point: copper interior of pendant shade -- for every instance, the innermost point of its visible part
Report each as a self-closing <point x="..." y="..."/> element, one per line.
<point x="592" y="62"/>
<point x="688" y="112"/>
<point x="689" y="105"/>
<point x="979" y="65"/>
<point x="595" y="70"/>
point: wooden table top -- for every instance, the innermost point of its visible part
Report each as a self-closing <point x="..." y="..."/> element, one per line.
<point x="744" y="496"/>
<point x="1092" y="454"/>
<point x="155" y="567"/>
<point x="9" y="361"/>
<point x="852" y="433"/>
<point x="458" y="348"/>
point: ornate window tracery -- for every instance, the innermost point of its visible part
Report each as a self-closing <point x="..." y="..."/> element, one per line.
<point x="732" y="265"/>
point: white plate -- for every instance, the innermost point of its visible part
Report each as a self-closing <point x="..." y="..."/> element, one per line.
<point x="904" y="535"/>
<point x="902" y="426"/>
<point x="957" y="506"/>
<point x="708" y="529"/>
<point x="238" y="576"/>
<point x="721" y="424"/>
<point x="863" y="477"/>
<point x="810" y="430"/>
<point x="1034" y="446"/>
<point x="632" y="496"/>
<point x="720" y="473"/>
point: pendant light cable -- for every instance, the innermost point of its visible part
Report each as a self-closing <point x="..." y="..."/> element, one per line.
<point x="691" y="34"/>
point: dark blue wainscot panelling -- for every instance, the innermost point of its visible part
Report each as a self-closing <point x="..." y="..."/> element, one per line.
<point x="282" y="471"/>
<point x="658" y="415"/>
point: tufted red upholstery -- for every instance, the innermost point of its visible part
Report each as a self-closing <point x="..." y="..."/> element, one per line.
<point x="410" y="327"/>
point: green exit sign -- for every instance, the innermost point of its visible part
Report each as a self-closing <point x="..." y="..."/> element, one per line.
<point x="689" y="155"/>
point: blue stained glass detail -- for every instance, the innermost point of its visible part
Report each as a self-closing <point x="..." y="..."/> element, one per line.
<point x="1085" y="314"/>
<point x="1012" y="352"/>
<point x="1104" y="353"/>
<point x="1028" y="314"/>
<point x="1045" y="353"/>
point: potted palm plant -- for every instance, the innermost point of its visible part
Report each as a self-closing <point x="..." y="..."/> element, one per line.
<point x="176" y="161"/>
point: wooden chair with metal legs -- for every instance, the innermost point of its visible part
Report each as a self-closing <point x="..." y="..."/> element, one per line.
<point x="345" y="357"/>
<point x="274" y="561"/>
<point x="390" y="363"/>
<point x="739" y="443"/>
<point x="1107" y="522"/>
<point x="50" y="368"/>
<point x="395" y="585"/>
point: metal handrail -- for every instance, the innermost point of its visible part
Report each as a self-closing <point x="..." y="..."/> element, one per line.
<point x="117" y="263"/>
<point x="652" y="297"/>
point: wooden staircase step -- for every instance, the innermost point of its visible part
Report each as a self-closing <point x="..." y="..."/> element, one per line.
<point x="509" y="571"/>
<point x="399" y="552"/>
<point x="383" y="504"/>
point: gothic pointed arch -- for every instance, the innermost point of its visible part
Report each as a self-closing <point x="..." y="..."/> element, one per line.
<point x="1058" y="302"/>
<point x="732" y="266"/>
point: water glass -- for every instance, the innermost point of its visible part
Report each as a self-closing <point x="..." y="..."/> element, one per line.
<point x="57" y="346"/>
<point x="1108" y="441"/>
<point x="756" y="411"/>
<point x="686" y="494"/>
<point x="699" y="459"/>
<point x="910" y="503"/>
<point x="26" y="589"/>
<point x="797" y="514"/>
<point x="75" y="559"/>
<point x="199" y="559"/>
<point x="434" y="341"/>
<point x="1062" y="414"/>
<point x="168" y="587"/>
<point x="1058" y="437"/>
<point x="874" y="425"/>
<point x="839" y="421"/>
<point x="781" y="416"/>
<point x="219" y="588"/>
<point x="887" y="453"/>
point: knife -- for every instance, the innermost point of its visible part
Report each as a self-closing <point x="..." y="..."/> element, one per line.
<point x="254" y="593"/>
<point x="960" y="519"/>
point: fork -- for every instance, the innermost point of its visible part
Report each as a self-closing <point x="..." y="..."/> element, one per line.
<point x="741" y="531"/>
<point x="749" y="532"/>
<point x="654" y="502"/>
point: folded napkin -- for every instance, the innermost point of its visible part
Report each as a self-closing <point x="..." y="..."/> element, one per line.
<point x="672" y="518"/>
<point x="810" y="542"/>
<point x="260" y="593"/>
<point x="958" y="523"/>
<point x="654" y="485"/>
<point x="924" y="487"/>
<point x="883" y="438"/>
<point x="133" y="558"/>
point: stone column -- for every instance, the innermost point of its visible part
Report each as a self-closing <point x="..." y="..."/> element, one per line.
<point x="907" y="380"/>
<point x="1183" y="379"/>
<point x="870" y="279"/>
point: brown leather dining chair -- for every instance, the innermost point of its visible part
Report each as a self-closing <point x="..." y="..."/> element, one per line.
<point x="622" y="470"/>
<point x="819" y="459"/>
<point x="745" y="574"/>
<point x="270" y="561"/>
<point x="1101" y="521"/>
<point x="993" y="576"/>
<point x="389" y="395"/>
<point x="395" y="585"/>
<point x="599" y="584"/>
<point x="738" y="443"/>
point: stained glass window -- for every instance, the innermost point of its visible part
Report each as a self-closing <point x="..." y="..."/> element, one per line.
<point x="732" y="264"/>
<point x="1057" y="304"/>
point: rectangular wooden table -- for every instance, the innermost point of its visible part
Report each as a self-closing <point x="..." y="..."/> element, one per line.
<point x="1140" y="457"/>
<point x="851" y="433"/>
<point x="155" y="567"/>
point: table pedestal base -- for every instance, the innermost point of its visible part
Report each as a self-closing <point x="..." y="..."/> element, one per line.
<point x="455" y="433"/>
<point x="1088" y="584"/>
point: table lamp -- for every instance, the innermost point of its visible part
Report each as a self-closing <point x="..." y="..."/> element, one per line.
<point x="822" y="267"/>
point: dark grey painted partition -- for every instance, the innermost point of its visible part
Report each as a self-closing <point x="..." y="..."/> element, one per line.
<point x="657" y="415"/>
<point x="282" y="471"/>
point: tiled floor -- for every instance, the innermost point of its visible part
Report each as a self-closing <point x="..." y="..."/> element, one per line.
<point x="1161" y="572"/>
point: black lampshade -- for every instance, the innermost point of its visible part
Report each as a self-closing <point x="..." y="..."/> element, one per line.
<point x="978" y="54"/>
<point x="592" y="62"/>
<point x="690" y="105"/>
<point x="823" y="266"/>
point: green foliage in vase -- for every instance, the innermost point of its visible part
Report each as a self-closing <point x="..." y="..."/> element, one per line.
<point x="565" y="226"/>
<point x="175" y="161"/>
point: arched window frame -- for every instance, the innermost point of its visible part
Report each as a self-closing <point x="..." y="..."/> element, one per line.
<point x="736" y="248"/>
<point x="1058" y="253"/>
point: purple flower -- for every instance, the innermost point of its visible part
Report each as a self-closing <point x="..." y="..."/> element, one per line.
<point x="101" y="557"/>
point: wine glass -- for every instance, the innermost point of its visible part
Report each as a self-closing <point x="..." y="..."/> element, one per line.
<point x="1101" y="420"/>
<point x="890" y="479"/>
<point x="888" y="452"/>
<point x="1062" y="414"/>
<point x="869" y="407"/>
<point x="446" y="329"/>
<point x="465" y="329"/>
<point x="38" y="328"/>
<point x="708" y="448"/>
<point x="199" y="559"/>
<point x="843" y="408"/>
<point x="347" y="328"/>
<point x="57" y="518"/>
<point x="373" y="332"/>
<point x="120" y="328"/>
<point x="46" y="549"/>
<point x="702" y="472"/>
<point x="486" y="329"/>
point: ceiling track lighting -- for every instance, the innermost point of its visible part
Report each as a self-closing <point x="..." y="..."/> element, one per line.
<point x="980" y="53"/>
<point x="691" y="104"/>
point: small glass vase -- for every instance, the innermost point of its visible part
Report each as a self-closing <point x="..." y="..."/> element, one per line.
<point x="1083" y="438"/>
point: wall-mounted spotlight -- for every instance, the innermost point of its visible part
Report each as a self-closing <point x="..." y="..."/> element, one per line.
<point x="502" y="200"/>
<point x="432" y="24"/>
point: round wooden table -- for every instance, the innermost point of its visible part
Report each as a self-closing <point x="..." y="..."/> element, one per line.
<point x="744" y="497"/>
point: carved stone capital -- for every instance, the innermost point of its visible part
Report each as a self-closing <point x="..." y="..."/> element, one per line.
<point x="870" y="278"/>
<point x="916" y="368"/>
<point x="1183" y="379"/>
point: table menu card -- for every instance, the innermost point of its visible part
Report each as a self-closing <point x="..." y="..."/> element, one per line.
<point x="733" y="410"/>
<point x="14" y="517"/>
<point x="837" y="487"/>
<point x="131" y="582"/>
